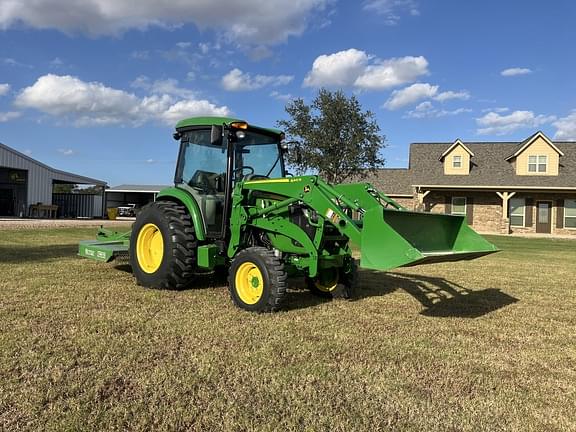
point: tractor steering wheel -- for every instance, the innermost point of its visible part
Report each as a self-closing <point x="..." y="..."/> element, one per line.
<point x="239" y="172"/>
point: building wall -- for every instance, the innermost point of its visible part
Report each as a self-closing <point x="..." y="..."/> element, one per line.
<point x="554" y="198"/>
<point x="407" y="202"/>
<point x="39" y="178"/>
<point x="487" y="210"/>
<point x="486" y="214"/>
<point x="464" y="167"/>
<point x="538" y="147"/>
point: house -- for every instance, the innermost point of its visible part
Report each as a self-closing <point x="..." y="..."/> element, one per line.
<point x="501" y="187"/>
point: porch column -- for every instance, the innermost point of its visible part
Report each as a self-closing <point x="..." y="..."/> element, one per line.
<point x="505" y="196"/>
<point x="420" y="195"/>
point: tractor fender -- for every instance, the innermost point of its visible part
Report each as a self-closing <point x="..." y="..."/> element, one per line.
<point x="187" y="200"/>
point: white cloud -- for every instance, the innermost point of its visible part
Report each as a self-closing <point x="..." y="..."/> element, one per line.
<point x="4" y="89"/>
<point x="92" y="103"/>
<point x="190" y="108"/>
<point x="496" y="124"/>
<point x="356" y="68"/>
<point x="339" y="69"/>
<point x="410" y="95"/>
<point x="260" y="52"/>
<point x="566" y="127"/>
<point x="391" y="9"/>
<point x="392" y="73"/>
<point x="10" y="115"/>
<point x="285" y="97"/>
<point x="56" y="63"/>
<point x="66" y="151"/>
<point x="140" y="55"/>
<point x="496" y="109"/>
<point x="447" y="95"/>
<point x="167" y="86"/>
<point x="10" y="61"/>
<point x="236" y="80"/>
<point x="428" y="110"/>
<point x="252" y="21"/>
<point x="515" y="71"/>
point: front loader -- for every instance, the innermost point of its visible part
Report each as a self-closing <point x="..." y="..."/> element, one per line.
<point x="234" y="208"/>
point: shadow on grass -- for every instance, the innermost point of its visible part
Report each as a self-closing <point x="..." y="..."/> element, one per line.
<point x="23" y="254"/>
<point x="440" y="297"/>
<point x="212" y="279"/>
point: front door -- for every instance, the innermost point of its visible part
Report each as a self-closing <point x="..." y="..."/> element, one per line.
<point x="543" y="217"/>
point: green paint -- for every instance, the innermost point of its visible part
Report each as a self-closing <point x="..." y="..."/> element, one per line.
<point x="208" y="256"/>
<point x="218" y="121"/>
<point x="99" y="250"/>
<point x="271" y="211"/>
<point x="187" y="200"/>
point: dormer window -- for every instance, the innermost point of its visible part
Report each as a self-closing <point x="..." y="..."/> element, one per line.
<point x="457" y="161"/>
<point x="536" y="156"/>
<point x="538" y="164"/>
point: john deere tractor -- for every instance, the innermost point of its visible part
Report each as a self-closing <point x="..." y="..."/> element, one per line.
<point x="234" y="208"/>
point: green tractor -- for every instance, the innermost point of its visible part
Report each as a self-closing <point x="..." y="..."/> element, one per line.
<point x="234" y="208"/>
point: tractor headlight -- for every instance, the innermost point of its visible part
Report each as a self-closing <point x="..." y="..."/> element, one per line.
<point x="240" y="134"/>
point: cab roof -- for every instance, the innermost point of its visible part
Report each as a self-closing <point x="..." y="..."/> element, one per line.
<point x="218" y="121"/>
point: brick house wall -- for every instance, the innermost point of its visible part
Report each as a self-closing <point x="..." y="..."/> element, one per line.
<point x="486" y="211"/>
<point x="557" y="225"/>
<point x="407" y="202"/>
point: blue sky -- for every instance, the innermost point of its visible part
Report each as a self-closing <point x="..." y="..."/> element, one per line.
<point x="95" y="87"/>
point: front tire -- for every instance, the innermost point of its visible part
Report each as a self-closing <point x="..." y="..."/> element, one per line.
<point x="163" y="246"/>
<point x="335" y="282"/>
<point x="257" y="280"/>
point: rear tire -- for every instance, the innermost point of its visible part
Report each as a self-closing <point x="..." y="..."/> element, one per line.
<point x="163" y="246"/>
<point x="257" y="280"/>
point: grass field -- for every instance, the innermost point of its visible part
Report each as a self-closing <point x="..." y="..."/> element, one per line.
<point x="484" y="345"/>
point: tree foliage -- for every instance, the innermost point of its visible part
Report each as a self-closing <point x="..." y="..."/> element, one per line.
<point x="336" y="138"/>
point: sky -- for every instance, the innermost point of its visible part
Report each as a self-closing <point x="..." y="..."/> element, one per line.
<point x="95" y="87"/>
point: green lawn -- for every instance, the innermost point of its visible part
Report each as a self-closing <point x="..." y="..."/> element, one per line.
<point x="482" y="345"/>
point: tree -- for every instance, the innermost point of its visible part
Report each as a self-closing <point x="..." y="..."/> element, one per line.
<point x="336" y="138"/>
<point x="63" y="187"/>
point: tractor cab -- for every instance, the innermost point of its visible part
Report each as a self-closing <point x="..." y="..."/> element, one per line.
<point x="215" y="154"/>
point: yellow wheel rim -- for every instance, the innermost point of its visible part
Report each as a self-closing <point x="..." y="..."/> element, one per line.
<point x="327" y="281"/>
<point x="249" y="283"/>
<point x="149" y="248"/>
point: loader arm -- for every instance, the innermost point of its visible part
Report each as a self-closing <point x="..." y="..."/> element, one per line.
<point x="387" y="235"/>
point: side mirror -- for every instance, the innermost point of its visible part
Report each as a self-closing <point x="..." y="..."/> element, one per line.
<point x="216" y="135"/>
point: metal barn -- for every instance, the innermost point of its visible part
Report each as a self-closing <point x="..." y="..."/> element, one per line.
<point x="26" y="183"/>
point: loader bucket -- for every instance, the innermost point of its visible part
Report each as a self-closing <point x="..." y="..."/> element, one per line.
<point x="393" y="238"/>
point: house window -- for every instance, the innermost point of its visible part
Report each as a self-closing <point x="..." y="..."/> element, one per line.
<point x="457" y="161"/>
<point x="459" y="206"/>
<point x="538" y="164"/>
<point x="517" y="212"/>
<point x="570" y="213"/>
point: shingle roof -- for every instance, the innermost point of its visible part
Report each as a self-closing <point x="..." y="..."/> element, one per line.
<point x="391" y="181"/>
<point x="489" y="168"/>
